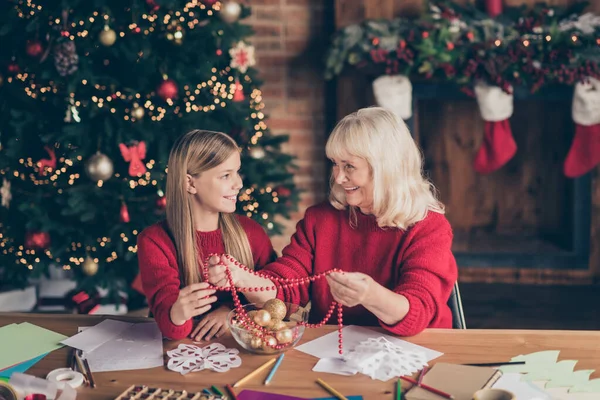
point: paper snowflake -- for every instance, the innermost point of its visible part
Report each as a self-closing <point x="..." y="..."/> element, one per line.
<point x="242" y="57"/>
<point x="5" y="193"/>
<point x="188" y="358"/>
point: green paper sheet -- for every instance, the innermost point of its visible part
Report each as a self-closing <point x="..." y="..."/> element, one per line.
<point x="549" y="372"/>
<point x="533" y="362"/>
<point x="570" y="379"/>
<point x="25" y="341"/>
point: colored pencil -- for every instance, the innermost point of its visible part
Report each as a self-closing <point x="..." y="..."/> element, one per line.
<point x="331" y="390"/>
<point x="421" y="375"/>
<point x="231" y="392"/>
<point x="208" y="392"/>
<point x="217" y="391"/>
<point x="428" y="388"/>
<point x="274" y="369"/>
<point x="497" y="364"/>
<point x="254" y="373"/>
<point x="399" y="390"/>
<point x="81" y="368"/>
<point x="89" y="371"/>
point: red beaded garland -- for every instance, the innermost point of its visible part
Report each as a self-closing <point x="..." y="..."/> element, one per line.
<point x="248" y="323"/>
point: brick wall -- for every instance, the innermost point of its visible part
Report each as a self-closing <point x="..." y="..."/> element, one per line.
<point x="290" y="39"/>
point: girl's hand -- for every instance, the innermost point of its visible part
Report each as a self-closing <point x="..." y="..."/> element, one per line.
<point x="211" y="325"/>
<point x="216" y="271"/>
<point x="350" y="288"/>
<point x="193" y="300"/>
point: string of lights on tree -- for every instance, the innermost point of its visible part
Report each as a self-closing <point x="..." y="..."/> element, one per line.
<point x="73" y="42"/>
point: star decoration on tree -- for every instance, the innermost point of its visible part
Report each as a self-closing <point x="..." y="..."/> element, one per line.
<point x="5" y="193"/>
<point x="242" y="57"/>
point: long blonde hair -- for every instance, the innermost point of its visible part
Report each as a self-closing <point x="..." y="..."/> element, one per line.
<point x="402" y="195"/>
<point x="194" y="153"/>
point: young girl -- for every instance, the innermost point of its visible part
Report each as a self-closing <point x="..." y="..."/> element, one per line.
<point x="382" y="226"/>
<point x="203" y="182"/>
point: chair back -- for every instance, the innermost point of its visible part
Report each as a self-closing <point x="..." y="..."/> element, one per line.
<point x="455" y="304"/>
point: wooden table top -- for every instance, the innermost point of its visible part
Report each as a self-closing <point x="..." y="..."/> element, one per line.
<point x="295" y="376"/>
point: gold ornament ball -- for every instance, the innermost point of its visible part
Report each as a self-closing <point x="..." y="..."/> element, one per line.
<point x="107" y="37"/>
<point x="137" y="112"/>
<point x="276" y="308"/>
<point x="99" y="167"/>
<point x="89" y="267"/>
<point x="230" y="11"/>
<point x="284" y="336"/>
<point x="262" y="318"/>
<point x="278" y="325"/>
<point x="269" y="342"/>
<point x="257" y="153"/>
<point x="256" y="342"/>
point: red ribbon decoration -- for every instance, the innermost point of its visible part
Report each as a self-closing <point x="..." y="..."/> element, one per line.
<point x="134" y="155"/>
<point x="47" y="162"/>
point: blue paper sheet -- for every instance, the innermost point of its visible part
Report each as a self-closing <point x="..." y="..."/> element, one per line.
<point x="24" y="366"/>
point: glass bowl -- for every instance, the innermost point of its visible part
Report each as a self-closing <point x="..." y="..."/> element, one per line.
<point x="282" y="334"/>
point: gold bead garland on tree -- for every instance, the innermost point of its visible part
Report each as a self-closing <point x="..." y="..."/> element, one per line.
<point x="260" y="323"/>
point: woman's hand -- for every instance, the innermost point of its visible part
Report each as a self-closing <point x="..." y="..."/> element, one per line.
<point x="350" y="288"/>
<point x="216" y="271"/>
<point x="193" y="300"/>
<point x="211" y="325"/>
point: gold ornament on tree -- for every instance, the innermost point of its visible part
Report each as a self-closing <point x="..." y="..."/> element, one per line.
<point x="107" y="37"/>
<point x="137" y="112"/>
<point x="89" y="267"/>
<point x="99" y="167"/>
<point x="230" y="11"/>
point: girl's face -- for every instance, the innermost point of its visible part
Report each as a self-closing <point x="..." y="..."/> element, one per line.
<point x="354" y="176"/>
<point x="216" y="190"/>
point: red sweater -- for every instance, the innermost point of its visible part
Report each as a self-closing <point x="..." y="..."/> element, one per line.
<point x="416" y="263"/>
<point x="160" y="272"/>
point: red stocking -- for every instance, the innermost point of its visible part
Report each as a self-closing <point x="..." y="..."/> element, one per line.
<point x="497" y="149"/>
<point x="585" y="151"/>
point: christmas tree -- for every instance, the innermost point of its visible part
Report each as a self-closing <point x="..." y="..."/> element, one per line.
<point x="92" y="96"/>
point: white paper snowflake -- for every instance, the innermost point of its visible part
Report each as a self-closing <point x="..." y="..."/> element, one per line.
<point x="188" y="358"/>
<point x="5" y="193"/>
<point x="242" y="57"/>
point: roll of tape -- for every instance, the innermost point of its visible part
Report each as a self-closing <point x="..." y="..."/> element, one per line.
<point x="62" y="376"/>
<point x="7" y="392"/>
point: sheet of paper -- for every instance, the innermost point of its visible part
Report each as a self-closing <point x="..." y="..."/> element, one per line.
<point x="327" y="346"/>
<point x="24" y="366"/>
<point x="334" y="366"/>
<point x="26" y="341"/>
<point x="138" y="347"/>
<point x="97" y="335"/>
<point x="565" y="394"/>
<point x="523" y="390"/>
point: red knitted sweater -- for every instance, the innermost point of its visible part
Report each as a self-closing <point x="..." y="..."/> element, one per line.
<point x="416" y="263"/>
<point x="160" y="272"/>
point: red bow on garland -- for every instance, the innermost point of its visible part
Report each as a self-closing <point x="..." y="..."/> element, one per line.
<point x="134" y="155"/>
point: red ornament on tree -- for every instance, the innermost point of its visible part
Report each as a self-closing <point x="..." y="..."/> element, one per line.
<point x="167" y="89"/>
<point x="124" y="214"/>
<point x="219" y="52"/>
<point x="161" y="202"/>
<point x="37" y="240"/>
<point x="34" y="48"/>
<point x="208" y="3"/>
<point x="13" y="68"/>
<point x="239" y="92"/>
<point x="493" y="7"/>
<point x="47" y="162"/>
<point x="283" y="191"/>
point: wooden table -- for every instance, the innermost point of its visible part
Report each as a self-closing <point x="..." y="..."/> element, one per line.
<point x="295" y="376"/>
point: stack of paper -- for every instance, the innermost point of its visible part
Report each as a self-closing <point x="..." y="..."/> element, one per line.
<point x="24" y="344"/>
<point x="115" y="345"/>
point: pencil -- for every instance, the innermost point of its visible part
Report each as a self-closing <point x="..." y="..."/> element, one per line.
<point x="89" y="371"/>
<point x="231" y="392"/>
<point x="254" y="373"/>
<point x="421" y="375"/>
<point x="217" y="391"/>
<point x="331" y="390"/>
<point x="80" y="367"/>
<point x="428" y="388"/>
<point x="274" y="369"/>
<point x="399" y="390"/>
<point x="497" y="364"/>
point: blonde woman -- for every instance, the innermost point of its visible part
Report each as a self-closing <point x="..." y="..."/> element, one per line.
<point x="202" y="188"/>
<point x="382" y="226"/>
